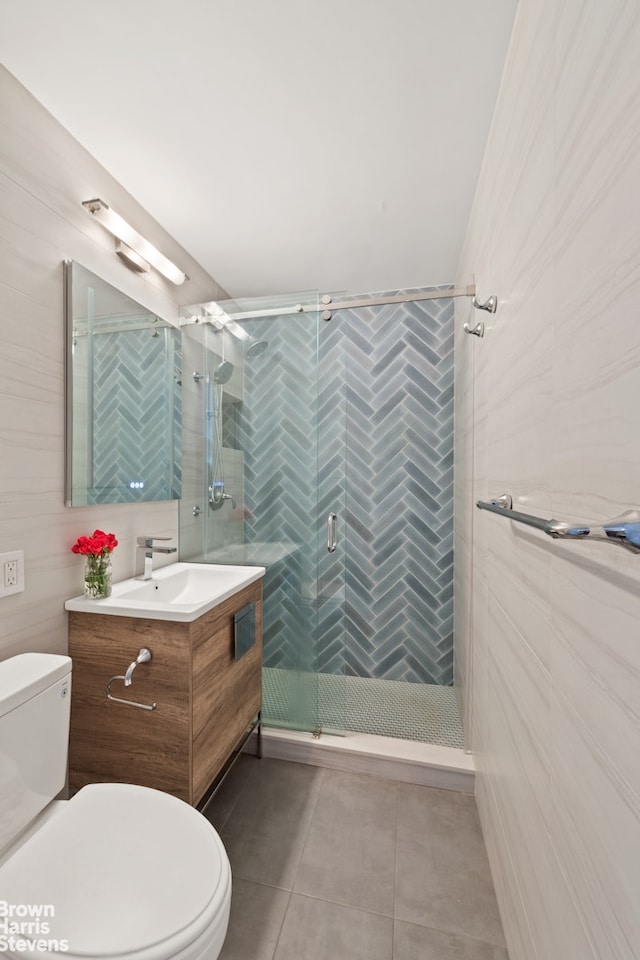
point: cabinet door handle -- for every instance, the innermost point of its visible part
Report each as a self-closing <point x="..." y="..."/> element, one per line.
<point x="332" y="538"/>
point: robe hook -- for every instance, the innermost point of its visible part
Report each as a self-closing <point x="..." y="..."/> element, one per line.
<point x="491" y="304"/>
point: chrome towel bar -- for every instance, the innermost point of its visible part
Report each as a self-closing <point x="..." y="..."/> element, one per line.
<point x="623" y="531"/>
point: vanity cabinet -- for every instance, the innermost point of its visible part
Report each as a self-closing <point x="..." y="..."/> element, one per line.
<point x="206" y="698"/>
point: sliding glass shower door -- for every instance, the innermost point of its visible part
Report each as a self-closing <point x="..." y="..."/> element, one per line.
<point x="306" y="419"/>
<point x="269" y="493"/>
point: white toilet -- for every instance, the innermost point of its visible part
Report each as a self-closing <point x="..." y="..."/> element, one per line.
<point x="119" y="871"/>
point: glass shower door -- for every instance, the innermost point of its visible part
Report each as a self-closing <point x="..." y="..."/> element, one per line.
<point x="278" y="431"/>
<point x="262" y="488"/>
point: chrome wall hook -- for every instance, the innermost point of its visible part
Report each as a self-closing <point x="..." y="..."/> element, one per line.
<point x="491" y="305"/>
<point x="477" y="331"/>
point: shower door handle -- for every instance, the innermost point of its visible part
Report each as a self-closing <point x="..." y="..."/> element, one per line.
<point x="332" y="538"/>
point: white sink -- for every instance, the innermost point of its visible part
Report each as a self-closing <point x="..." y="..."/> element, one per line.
<point x="179" y="591"/>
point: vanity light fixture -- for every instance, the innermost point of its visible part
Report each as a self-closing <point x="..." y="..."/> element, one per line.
<point x="139" y="251"/>
<point x="131" y="258"/>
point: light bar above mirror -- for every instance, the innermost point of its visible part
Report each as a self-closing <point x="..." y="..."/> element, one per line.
<point x="124" y="232"/>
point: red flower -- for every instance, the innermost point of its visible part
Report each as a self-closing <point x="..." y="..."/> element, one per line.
<point x="99" y="544"/>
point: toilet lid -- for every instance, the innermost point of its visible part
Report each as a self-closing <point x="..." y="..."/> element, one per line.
<point x="119" y="871"/>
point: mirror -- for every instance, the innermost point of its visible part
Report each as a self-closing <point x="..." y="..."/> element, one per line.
<point x="123" y="396"/>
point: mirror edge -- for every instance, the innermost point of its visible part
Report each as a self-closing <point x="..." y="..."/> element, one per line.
<point x="68" y="379"/>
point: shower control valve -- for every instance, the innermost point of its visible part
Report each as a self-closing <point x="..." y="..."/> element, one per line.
<point x="217" y="496"/>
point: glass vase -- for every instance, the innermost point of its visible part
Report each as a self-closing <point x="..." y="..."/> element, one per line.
<point x="97" y="576"/>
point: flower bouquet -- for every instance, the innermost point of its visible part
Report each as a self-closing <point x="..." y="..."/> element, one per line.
<point x="96" y="550"/>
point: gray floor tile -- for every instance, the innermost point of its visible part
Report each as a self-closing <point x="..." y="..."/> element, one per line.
<point x="257" y="914"/>
<point x="277" y="787"/>
<point x="443" y="877"/>
<point x="350" y="851"/>
<point x="265" y="834"/>
<point x="230" y="790"/>
<point x="317" y="930"/>
<point x="331" y="837"/>
<point x="411" y="941"/>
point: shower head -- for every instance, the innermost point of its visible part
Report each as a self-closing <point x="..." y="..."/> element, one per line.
<point x="222" y="373"/>
<point x="256" y="348"/>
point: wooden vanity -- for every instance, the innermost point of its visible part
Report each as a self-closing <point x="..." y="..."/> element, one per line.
<point x="206" y="698"/>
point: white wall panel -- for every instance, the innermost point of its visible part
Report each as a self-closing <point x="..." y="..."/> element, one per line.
<point x="547" y="411"/>
<point x="44" y="176"/>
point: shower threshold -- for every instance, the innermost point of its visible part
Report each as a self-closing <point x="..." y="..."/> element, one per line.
<point x="426" y="764"/>
<point x="376" y="705"/>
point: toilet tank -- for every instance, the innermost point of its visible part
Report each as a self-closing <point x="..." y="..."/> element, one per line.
<point x="35" y="703"/>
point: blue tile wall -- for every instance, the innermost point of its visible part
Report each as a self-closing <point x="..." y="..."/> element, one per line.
<point x="378" y="384"/>
<point x="276" y="431"/>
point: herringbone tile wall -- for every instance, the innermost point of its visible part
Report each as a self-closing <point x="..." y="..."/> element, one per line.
<point x="398" y="491"/>
<point x="137" y="405"/>
<point x="380" y="391"/>
<point x="277" y="432"/>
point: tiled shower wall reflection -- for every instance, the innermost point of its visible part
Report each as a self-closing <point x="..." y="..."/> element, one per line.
<point x="137" y="400"/>
<point x="382" y="397"/>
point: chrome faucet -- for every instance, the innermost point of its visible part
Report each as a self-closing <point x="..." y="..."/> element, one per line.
<point x="147" y="544"/>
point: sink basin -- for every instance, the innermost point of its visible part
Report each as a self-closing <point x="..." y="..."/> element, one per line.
<point x="179" y="591"/>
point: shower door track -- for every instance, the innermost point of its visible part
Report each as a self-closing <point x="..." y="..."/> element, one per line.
<point x="327" y="305"/>
<point x="398" y="298"/>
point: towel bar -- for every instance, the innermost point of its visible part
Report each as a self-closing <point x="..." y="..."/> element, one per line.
<point x="624" y="531"/>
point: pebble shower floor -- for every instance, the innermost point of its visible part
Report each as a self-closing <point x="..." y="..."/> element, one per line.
<point x="424" y="712"/>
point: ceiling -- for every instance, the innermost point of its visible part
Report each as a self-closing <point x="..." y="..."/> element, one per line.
<point x="286" y="145"/>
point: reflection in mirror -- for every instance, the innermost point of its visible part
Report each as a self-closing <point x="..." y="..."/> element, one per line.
<point x="124" y="397"/>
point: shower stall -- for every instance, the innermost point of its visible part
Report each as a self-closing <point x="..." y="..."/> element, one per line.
<point x="318" y="443"/>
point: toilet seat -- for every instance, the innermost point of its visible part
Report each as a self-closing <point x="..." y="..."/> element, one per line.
<point x="129" y="873"/>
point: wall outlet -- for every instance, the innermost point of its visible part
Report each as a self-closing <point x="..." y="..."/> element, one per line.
<point x="11" y="572"/>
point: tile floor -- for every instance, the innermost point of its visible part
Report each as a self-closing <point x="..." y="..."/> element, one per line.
<point x="338" y="866"/>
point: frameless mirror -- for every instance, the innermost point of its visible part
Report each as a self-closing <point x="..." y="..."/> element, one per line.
<point x="123" y="394"/>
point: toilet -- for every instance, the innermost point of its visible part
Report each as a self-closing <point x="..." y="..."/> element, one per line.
<point x="119" y="872"/>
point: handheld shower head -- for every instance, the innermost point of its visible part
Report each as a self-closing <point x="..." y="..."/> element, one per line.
<point x="222" y="373"/>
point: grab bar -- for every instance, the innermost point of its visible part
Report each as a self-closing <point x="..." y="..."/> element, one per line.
<point x="623" y="531"/>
